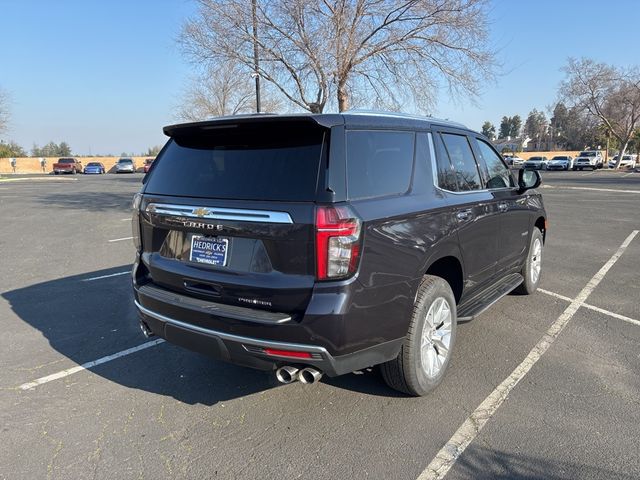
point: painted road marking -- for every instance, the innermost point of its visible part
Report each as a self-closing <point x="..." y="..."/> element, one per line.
<point x="105" y="276"/>
<point x="592" y="307"/>
<point x="120" y="239"/>
<point x="125" y="219"/>
<point x="88" y="365"/>
<point x="462" y="438"/>
<point x="561" y="187"/>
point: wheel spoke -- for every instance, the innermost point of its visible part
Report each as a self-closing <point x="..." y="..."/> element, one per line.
<point x="436" y="337"/>
<point x="441" y="342"/>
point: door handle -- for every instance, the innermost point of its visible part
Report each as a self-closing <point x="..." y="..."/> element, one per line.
<point x="503" y="207"/>
<point x="464" y="215"/>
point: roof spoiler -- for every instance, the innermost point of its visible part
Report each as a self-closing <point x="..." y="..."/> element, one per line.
<point x="234" y="121"/>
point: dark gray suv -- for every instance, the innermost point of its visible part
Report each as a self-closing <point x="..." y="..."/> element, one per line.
<point x="326" y="244"/>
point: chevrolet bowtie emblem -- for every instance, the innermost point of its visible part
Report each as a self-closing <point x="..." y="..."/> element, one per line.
<point x="201" y="212"/>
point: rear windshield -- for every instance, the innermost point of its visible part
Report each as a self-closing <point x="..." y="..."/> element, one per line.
<point x="560" y="158"/>
<point x="125" y="160"/>
<point x="266" y="162"/>
<point x="66" y="160"/>
<point x="93" y="164"/>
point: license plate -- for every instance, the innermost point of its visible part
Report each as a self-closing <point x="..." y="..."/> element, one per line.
<point x="209" y="250"/>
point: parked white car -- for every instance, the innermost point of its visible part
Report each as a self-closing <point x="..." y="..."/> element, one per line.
<point x="560" y="162"/>
<point x="628" y="161"/>
<point x="592" y="159"/>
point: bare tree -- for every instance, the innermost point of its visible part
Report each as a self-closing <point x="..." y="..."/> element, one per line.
<point x="4" y="111"/>
<point x="607" y="93"/>
<point x="221" y="89"/>
<point x="373" y="52"/>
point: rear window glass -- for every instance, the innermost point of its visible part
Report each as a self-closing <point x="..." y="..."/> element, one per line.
<point x="379" y="163"/>
<point x="66" y="160"/>
<point x="265" y="162"/>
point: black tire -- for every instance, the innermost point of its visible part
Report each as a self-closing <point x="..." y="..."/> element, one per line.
<point x="530" y="285"/>
<point x="574" y="168"/>
<point x="580" y="168"/>
<point x="405" y="373"/>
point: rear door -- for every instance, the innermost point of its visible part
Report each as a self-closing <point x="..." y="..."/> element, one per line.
<point x="228" y="214"/>
<point x="475" y="210"/>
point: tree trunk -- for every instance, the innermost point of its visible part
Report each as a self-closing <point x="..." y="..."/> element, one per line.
<point x="621" y="153"/>
<point x="343" y="98"/>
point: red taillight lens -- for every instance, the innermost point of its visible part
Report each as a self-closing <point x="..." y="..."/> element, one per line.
<point x="337" y="242"/>
<point x="286" y="353"/>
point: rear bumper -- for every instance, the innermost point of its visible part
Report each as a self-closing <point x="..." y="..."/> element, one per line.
<point x="250" y="351"/>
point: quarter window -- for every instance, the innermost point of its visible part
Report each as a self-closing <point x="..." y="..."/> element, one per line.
<point x="379" y="163"/>
<point x="463" y="161"/>
<point x="498" y="173"/>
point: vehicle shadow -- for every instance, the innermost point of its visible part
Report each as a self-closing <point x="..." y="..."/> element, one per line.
<point x="88" y="320"/>
<point x="479" y="462"/>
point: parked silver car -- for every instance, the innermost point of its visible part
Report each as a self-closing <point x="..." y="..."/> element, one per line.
<point x="126" y="165"/>
<point x="536" y="163"/>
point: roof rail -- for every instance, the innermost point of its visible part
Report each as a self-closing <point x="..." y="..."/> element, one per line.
<point x="384" y="113"/>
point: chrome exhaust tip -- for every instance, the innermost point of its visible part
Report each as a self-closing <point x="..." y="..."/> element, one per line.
<point x="146" y="331"/>
<point x="309" y="375"/>
<point x="287" y="374"/>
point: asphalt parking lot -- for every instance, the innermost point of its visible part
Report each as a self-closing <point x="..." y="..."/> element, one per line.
<point x="565" y="363"/>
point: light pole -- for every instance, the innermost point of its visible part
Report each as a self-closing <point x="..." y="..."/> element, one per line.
<point x="256" y="70"/>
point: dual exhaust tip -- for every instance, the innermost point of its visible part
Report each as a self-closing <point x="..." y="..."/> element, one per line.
<point x="288" y="374"/>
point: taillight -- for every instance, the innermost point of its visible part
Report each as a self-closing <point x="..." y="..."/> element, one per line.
<point x="337" y="242"/>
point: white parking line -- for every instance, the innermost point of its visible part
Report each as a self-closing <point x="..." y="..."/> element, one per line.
<point x="627" y="174"/>
<point x="593" y="307"/>
<point x="457" y="444"/>
<point x="105" y="276"/>
<point x="616" y="190"/>
<point x="125" y="219"/>
<point x="120" y="239"/>
<point x="88" y="365"/>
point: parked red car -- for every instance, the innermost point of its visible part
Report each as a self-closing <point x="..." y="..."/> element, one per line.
<point x="67" y="165"/>
<point x="147" y="164"/>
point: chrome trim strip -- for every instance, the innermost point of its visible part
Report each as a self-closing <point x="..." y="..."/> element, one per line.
<point x="235" y="338"/>
<point x="216" y="213"/>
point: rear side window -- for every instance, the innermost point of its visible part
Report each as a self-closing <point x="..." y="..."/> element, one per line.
<point x="258" y="162"/>
<point x="497" y="172"/>
<point x="446" y="173"/>
<point x="379" y="163"/>
<point x="463" y="161"/>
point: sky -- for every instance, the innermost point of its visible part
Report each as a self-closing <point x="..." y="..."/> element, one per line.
<point x="106" y="76"/>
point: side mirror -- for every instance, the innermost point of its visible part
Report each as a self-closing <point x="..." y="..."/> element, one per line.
<point x="528" y="179"/>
